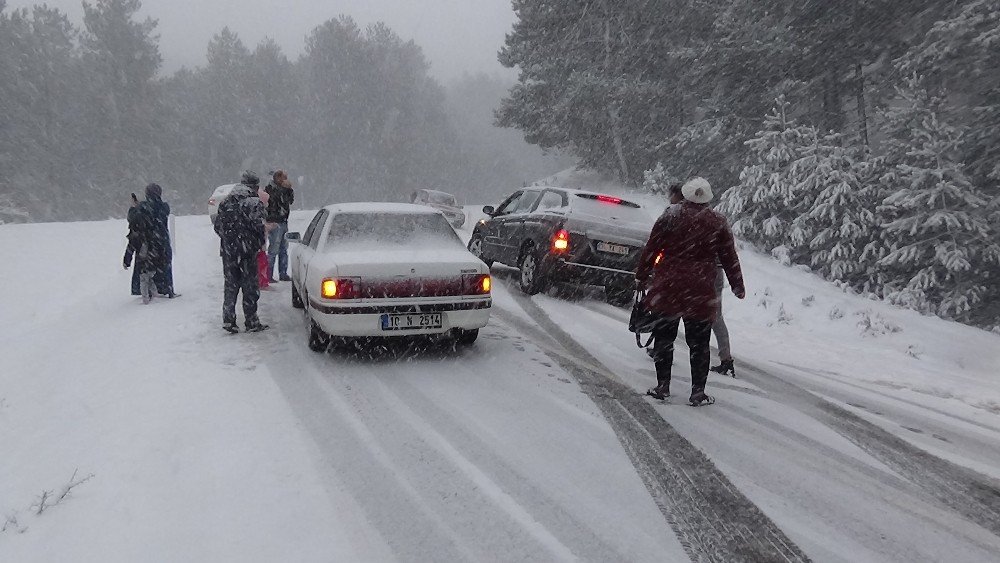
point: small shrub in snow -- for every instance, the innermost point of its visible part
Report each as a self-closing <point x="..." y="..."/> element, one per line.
<point x="836" y="313"/>
<point x="784" y="317"/>
<point x="913" y="351"/>
<point x="808" y="301"/>
<point x="782" y="255"/>
<point x="763" y="302"/>
<point x="875" y="325"/>
<point x="658" y="180"/>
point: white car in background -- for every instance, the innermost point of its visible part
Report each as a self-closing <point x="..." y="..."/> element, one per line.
<point x="387" y="270"/>
<point x="443" y="202"/>
<point x="220" y="193"/>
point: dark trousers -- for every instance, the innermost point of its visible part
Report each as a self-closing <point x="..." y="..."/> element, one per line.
<point x="698" y="335"/>
<point x="240" y="272"/>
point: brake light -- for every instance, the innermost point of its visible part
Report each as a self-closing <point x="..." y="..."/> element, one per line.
<point x="343" y="288"/>
<point x="560" y="242"/>
<point x="609" y="199"/>
<point x="211" y="201"/>
<point x="477" y="284"/>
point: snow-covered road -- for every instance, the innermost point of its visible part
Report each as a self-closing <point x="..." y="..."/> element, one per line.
<point x="532" y="445"/>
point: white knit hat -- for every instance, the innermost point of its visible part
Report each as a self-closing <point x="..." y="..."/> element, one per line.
<point x="697" y="190"/>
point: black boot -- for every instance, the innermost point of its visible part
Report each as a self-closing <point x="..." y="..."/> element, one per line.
<point x="660" y="392"/>
<point x="699" y="398"/>
<point x="725" y="367"/>
<point x="256" y="326"/>
<point x="231" y="327"/>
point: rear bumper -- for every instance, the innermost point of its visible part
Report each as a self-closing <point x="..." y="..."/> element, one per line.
<point x="360" y="320"/>
<point x="562" y="270"/>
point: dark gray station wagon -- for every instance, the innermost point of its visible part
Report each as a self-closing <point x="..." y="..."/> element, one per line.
<point x="564" y="235"/>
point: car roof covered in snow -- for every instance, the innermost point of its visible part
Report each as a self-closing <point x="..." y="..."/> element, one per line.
<point x="378" y="207"/>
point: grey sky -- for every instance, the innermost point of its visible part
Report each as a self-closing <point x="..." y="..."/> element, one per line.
<point x="457" y="35"/>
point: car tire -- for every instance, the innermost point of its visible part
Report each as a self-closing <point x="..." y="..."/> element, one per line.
<point x="319" y="341"/>
<point x="476" y="248"/>
<point x="296" y="298"/>
<point x="532" y="279"/>
<point x="466" y="337"/>
<point x="619" y="295"/>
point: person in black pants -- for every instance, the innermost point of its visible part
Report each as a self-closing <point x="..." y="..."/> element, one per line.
<point x="678" y="270"/>
<point x="240" y="226"/>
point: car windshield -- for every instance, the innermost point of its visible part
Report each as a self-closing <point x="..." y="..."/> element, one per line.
<point x="441" y="198"/>
<point x="396" y="229"/>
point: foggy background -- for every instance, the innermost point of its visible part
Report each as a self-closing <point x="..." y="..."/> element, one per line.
<point x="458" y="36"/>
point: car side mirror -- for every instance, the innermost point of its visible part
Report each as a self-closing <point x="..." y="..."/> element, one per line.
<point x="293" y="236"/>
<point x="489" y="210"/>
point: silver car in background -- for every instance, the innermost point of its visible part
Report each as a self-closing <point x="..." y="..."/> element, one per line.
<point x="443" y="202"/>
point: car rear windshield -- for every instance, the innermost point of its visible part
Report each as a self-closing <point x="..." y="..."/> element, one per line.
<point x="608" y="207"/>
<point x="396" y="229"/>
<point x="441" y="198"/>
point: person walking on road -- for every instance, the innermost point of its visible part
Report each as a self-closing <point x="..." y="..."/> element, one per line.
<point x="159" y="210"/>
<point x="149" y="242"/>
<point x="240" y="226"/>
<point x="281" y="195"/>
<point x="690" y="239"/>
<point x="727" y="366"/>
<point x="675" y="195"/>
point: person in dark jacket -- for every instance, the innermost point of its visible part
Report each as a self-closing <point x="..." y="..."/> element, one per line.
<point x="157" y="211"/>
<point x="240" y="226"/>
<point x="690" y="239"/>
<point x="149" y="241"/>
<point x="279" y="205"/>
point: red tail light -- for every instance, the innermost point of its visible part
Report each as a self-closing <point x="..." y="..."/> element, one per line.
<point x="560" y="242"/>
<point x="477" y="284"/>
<point x="343" y="288"/>
<point x="609" y="199"/>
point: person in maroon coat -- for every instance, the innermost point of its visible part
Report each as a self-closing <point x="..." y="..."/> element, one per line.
<point x="677" y="269"/>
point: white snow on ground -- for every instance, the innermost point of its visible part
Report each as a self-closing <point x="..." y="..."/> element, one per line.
<point x="207" y="446"/>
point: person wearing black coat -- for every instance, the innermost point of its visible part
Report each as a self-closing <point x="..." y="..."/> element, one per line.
<point x="279" y="205"/>
<point x="149" y="241"/>
<point x="149" y="220"/>
<point x="240" y="226"/>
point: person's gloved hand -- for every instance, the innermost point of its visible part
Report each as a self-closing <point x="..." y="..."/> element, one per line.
<point x="127" y="261"/>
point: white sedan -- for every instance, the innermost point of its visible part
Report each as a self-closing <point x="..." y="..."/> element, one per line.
<point x="387" y="270"/>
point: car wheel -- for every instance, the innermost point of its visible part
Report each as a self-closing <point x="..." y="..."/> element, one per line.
<point x="619" y="295"/>
<point x="296" y="298"/>
<point x="319" y="341"/>
<point x="476" y="248"/>
<point x="532" y="276"/>
<point x="466" y="337"/>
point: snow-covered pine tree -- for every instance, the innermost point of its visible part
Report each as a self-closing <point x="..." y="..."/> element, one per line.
<point x="940" y="251"/>
<point x="840" y="220"/>
<point x="657" y="180"/>
<point x="764" y="205"/>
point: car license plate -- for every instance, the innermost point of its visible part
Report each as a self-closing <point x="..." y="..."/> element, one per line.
<point x="612" y="248"/>
<point x="412" y="322"/>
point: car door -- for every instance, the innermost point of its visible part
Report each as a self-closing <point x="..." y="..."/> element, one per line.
<point x="513" y="230"/>
<point x="493" y="243"/>
<point x="307" y="249"/>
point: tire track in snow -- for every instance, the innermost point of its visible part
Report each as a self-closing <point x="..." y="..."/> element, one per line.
<point x="974" y="496"/>
<point x="711" y="518"/>
<point x="545" y="509"/>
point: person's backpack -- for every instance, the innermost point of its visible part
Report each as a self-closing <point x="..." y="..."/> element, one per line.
<point x="239" y="226"/>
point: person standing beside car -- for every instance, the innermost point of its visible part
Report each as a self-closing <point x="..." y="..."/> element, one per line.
<point x="279" y="207"/>
<point x="240" y="226"/>
<point x="691" y="240"/>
